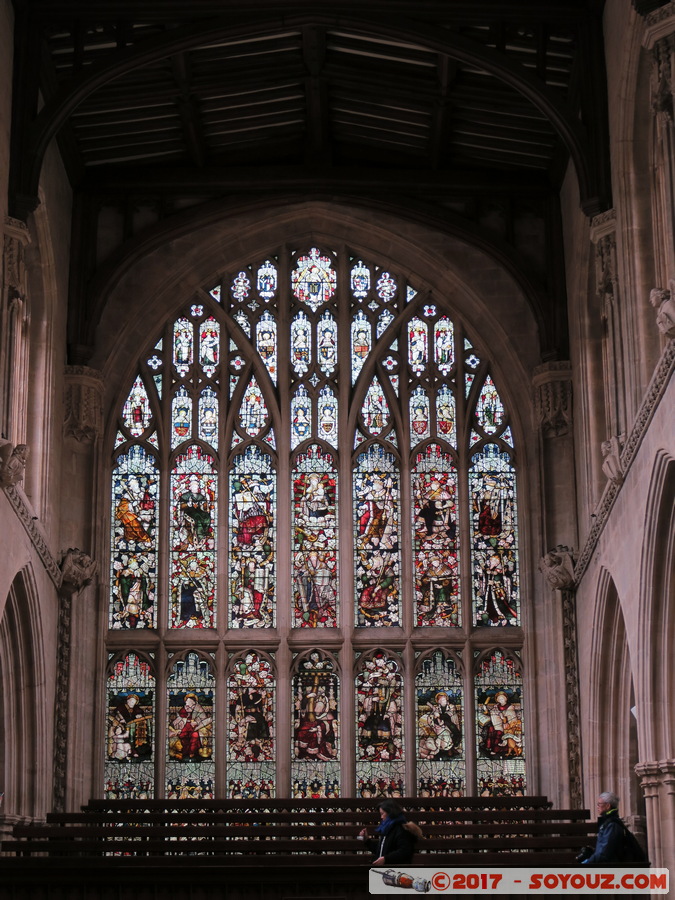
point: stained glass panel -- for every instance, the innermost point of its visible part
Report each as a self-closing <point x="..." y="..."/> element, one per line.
<point x="266" y="336"/>
<point x="489" y="408"/>
<point x="380" y="769"/>
<point x="436" y="538"/>
<point x="315" y="554"/>
<point x="130" y="730"/>
<point x="445" y="414"/>
<point x="267" y="280"/>
<point x="327" y="416"/>
<point x="375" y="409"/>
<point x="418" y="345"/>
<point x="253" y="540"/>
<point x="181" y="417"/>
<point x="315" y="749"/>
<point x="183" y="346"/>
<point x="500" y="767"/>
<point x="208" y="417"/>
<point x="420" y="427"/>
<point x="362" y="340"/>
<point x="301" y="416"/>
<point x="192" y="540"/>
<point x="133" y="557"/>
<point x="314" y="280"/>
<point x="495" y="579"/>
<point x="251" y="736"/>
<point x="209" y="346"/>
<point x="190" y="766"/>
<point x="327" y="344"/>
<point x="441" y="761"/>
<point x="386" y="287"/>
<point x="360" y="280"/>
<point x="241" y="287"/>
<point x="384" y="320"/>
<point x="301" y="344"/>
<point x="376" y="545"/>
<point x="444" y="346"/>
<point x="253" y="413"/>
<point x="136" y="414"/>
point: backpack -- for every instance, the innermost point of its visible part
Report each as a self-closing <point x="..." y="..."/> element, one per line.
<point x="631" y="849"/>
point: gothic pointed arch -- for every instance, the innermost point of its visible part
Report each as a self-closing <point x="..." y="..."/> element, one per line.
<point x="314" y="445"/>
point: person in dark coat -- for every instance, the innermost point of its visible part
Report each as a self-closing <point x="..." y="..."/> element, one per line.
<point x="396" y="837"/>
<point x="609" y="842"/>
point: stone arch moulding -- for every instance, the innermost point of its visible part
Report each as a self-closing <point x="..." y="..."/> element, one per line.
<point x="463" y="275"/>
<point x="25" y="761"/>
<point x="608" y="755"/>
<point x="657" y="615"/>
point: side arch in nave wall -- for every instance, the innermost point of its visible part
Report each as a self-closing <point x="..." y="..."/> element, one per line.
<point x="26" y="759"/>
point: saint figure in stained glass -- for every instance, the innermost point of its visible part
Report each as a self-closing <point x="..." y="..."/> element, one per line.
<point x="130" y="730"/>
<point x="252" y="535"/>
<point x="136" y="414"/>
<point x="182" y="346"/>
<point x="499" y="727"/>
<point x="495" y="545"/>
<point x="441" y="766"/>
<point x="315" y="767"/>
<point x="251" y="742"/>
<point x="379" y="703"/>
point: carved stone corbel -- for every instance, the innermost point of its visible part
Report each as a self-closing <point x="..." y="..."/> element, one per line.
<point x="77" y="571"/>
<point x="83" y="404"/>
<point x="557" y="567"/>
<point x="552" y="385"/>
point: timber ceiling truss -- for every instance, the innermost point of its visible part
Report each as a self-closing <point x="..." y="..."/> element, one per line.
<point x="438" y="102"/>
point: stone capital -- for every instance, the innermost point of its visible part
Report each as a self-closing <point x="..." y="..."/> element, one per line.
<point x="83" y="403"/>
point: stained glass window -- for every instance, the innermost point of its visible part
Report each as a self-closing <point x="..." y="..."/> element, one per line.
<point x="441" y="760"/>
<point x="194" y="490"/>
<point x="315" y="751"/>
<point x="251" y="735"/>
<point x="305" y="371"/>
<point x="190" y="767"/>
<point x="380" y="769"/>
<point x="136" y="414"/>
<point x="314" y="279"/>
<point x="135" y="496"/>
<point x="495" y="578"/>
<point x="436" y="538"/>
<point x="252" y="540"/>
<point x="315" y="543"/>
<point x="130" y="730"/>
<point x="376" y="538"/>
<point x="499" y="726"/>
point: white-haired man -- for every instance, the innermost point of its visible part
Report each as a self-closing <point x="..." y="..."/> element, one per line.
<point x="609" y="843"/>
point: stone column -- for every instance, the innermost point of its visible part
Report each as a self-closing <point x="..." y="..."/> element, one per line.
<point x="657" y="779"/>
<point x="80" y="619"/>
<point x="552" y="384"/>
<point x="557" y="567"/>
<point x="14" y="323"/>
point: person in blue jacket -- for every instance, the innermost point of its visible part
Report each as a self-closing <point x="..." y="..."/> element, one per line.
<point x="609" y="843"/>
<point x="396" y="837"/>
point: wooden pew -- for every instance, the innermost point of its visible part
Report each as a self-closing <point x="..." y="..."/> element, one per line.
<point x="458" y="831"/>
